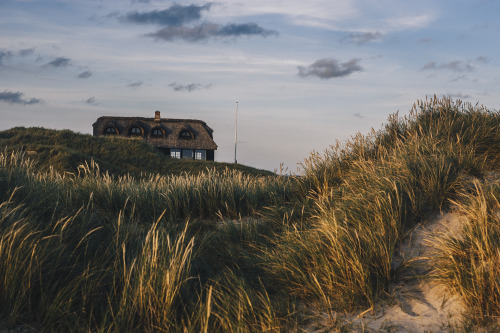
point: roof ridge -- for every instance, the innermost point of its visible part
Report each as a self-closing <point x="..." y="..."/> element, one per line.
<point x="150" y="118"/>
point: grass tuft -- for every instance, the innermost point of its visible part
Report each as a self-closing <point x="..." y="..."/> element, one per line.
<point x="469" y="262"/>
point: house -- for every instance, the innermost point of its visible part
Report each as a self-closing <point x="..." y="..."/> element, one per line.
<point x="177" y="138"/>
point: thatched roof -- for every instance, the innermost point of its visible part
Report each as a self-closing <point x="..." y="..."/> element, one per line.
<point x="197" y="134"/>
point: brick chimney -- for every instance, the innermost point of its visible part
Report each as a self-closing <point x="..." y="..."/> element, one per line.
<point x="157" y="116"/>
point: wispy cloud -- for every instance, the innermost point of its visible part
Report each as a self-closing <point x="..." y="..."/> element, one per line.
<point x="4" y="55"/>
<point x="460" y="78"/>
<point x="26" y="52"/>
<point x="459" y="96"/>
<point x="482" y="60"/>
<point x="411" y="22"/>
<point x="179" y="23"/>
<point x="17" y="98"/>
<point x="189" y="87"/>
<point x="176" y="15"/>
<point x="91" y="101"/>
<point x="428" y="66"/>
<point x="459" y="66"/>
<point x="425" y="40"/>
<point x="361" y="38"/>
<point x="329" y="68"/>
<point x="84" y="75"/>
<point x="135" y="84"/>
<point x="206" y="31"/>
<point x="59" y="62"/>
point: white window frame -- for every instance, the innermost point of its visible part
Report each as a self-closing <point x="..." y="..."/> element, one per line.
<point x="175" y="153"/>
<point x="200" y="155"/>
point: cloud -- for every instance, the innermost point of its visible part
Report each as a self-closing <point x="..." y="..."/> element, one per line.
<point x="459" y="96"/>
<point x="174" y="22"/>
<point x="84" y="75"/>
<point x="175" y="15"/>
<point x="91" y="101"/>
<point x="362" y="37"/>
<point x="189" y="87"/>
<point x="233" y="30"/>
<point x="412" y="21"/>
<point x="329" y="68"/>
<point x="26" y="52"/>
<point x="425" y="40"/>
<point x="206" y="31"/>
<point x="59" y="62"/>
<point x="458" y="78"/>
<point x="192" y="34"/>
<point x="459" y="66"/>
<point x="135" y="84"/>
<point x="17" y="98"/>
<point x="482" y="60"/>
<point x="4" y="55"/>
<point x="429" y="65"/>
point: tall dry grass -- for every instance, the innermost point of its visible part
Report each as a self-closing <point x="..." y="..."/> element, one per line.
<point x="368" y="193"/>
<point x="468" y="262"/>
<point x="224" y="251"/>
<point x="95" y="252"/>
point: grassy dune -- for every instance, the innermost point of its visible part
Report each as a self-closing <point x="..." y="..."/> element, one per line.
<point x="234" y="251"/>
<point x="65" y="150"/>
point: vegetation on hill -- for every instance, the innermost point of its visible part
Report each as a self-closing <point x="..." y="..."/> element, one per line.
<point x="65" y="150"/>
<point x="224" y="250"/>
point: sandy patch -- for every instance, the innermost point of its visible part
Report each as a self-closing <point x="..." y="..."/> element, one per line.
<point x="421" y="303"/>
<point x="417" y="303"/>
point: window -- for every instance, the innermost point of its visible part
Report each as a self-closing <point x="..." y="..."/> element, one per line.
<point x="110" y="131"/>
<point x="200" y="155"/>
<point x="175" y="153"/>
<point x="186" y="135"/>
<point x="187" y="154"/>
<point x="135" y="131"/>
<point x="157" y="132"/>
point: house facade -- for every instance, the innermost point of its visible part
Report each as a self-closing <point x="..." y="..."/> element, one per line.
<point x="177" y="138"/>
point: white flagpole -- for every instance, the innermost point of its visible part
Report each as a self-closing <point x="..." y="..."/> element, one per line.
<point x="236" y="134"/>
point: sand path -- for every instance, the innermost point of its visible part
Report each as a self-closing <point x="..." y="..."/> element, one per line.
<point x="417" y="303"/>
<point x="421" y="303"/>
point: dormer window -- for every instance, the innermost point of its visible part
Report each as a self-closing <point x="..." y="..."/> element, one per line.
<point x="135" y="131"/>
<point x="157" y="133"/>
<point x="110" y="131"/>
<point x="186" y="135"/>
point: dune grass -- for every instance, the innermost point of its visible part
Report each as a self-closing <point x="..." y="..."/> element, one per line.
<point x="64" y="151"/>
<point x="469" y="262"/>
<point x="229" y="251"/>
<point x="369" y="193"/>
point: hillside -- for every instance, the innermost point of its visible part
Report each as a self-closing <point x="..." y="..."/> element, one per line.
<point x="64" y="150"/>
<point x="362" y="242"/>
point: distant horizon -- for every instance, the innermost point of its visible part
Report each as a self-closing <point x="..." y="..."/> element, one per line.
<point x="304" y="75"/>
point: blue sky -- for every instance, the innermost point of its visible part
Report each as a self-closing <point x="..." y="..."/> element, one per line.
<point x="305" y="74"/>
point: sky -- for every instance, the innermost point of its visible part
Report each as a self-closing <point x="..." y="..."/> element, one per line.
<point x="302" y="74"/>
